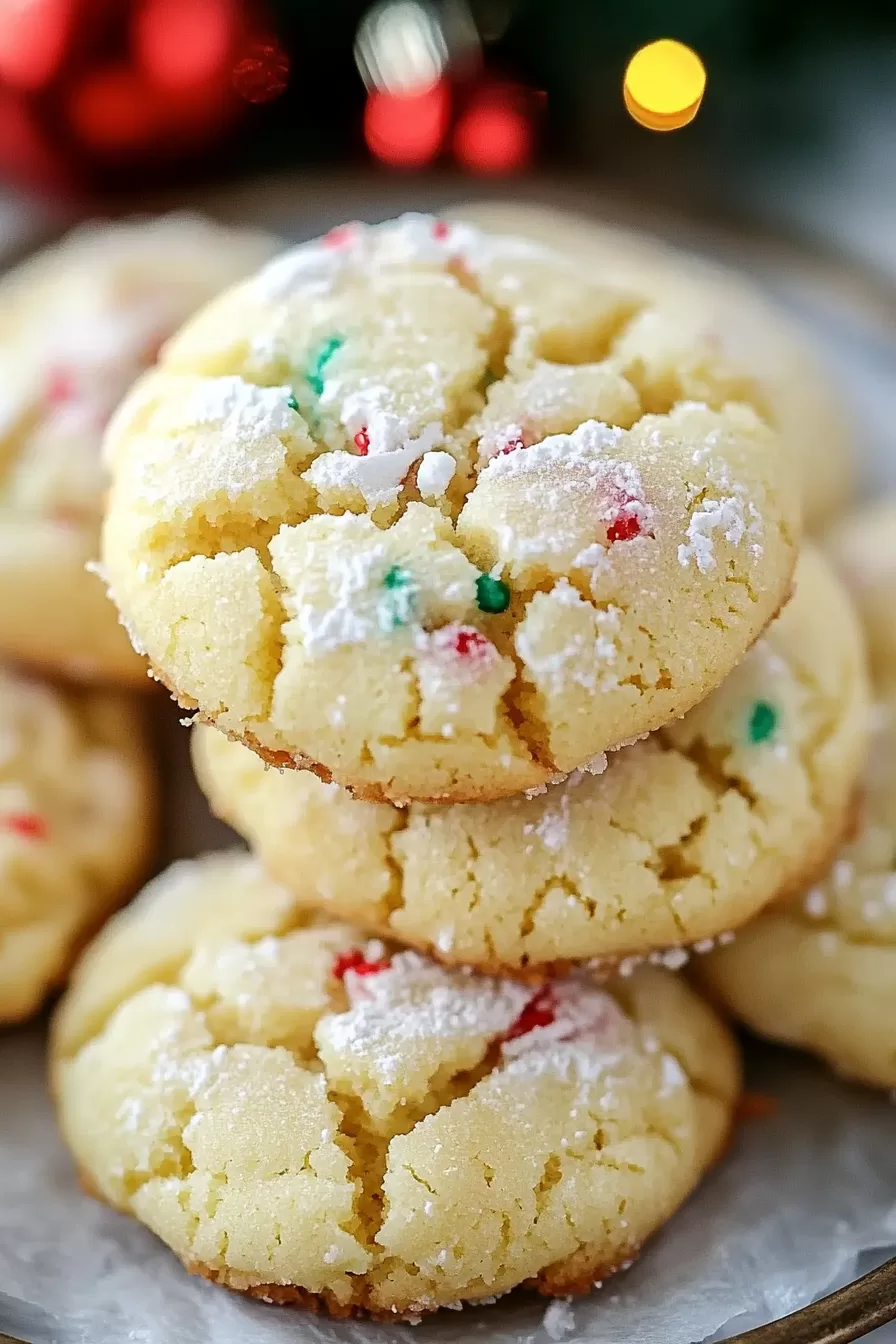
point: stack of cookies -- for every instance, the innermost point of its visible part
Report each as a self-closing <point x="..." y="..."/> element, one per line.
<point x="480" y="565"/>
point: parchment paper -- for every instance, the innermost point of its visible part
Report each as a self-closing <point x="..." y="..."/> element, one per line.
<point x="782" y="1219"/>
<point x="803" y="1192"/>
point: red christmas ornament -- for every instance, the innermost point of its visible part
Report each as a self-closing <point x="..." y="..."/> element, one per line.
<point x="262" y="73"/>
<point x="494" y="135"/>
<point x="538" y="1012"/>
<point x="407" y="130"/>
<point x="356" y="961"/>
<point x="33" y="39"/>
<point x="183" y="44"/>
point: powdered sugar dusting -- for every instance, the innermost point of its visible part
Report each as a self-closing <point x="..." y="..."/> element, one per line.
<point x="351" y="613"/>
<point x="378" y="475"/>
<point x="239" y="409"/>
<point x="586" y="447"/>
<point x="435" y="474"/>
<point x="559" y="1319"/>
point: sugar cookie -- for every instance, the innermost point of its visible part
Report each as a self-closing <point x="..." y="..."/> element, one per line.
<point x="720" y="319"/>
<point x="77" y="324"/>
<point x="863" y="547"/>
<point x="587" y="553"/>
<point x="683" y="836"/>
<point x="820" y="972"/>
<point x="314" y="1120"/>
<point x="77" y="805"/>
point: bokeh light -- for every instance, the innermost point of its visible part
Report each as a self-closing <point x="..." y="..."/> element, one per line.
<point x="663" y="85"/>
<point x="262" y="72"/>
<point x="113" y="110"/>
<point x="400" y="47"/>
<point x="407" y="130"/>
<point x="180" y="44"/>
<point x="33" y="39"/>
<point x="494" y="134"/>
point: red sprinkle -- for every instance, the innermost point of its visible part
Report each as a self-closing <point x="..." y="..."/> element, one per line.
<point x="468" y="643"/>
<point x="60" y="386"/>
<point x="440" y="230"/>
<point x="623" y="527"/>
<point x="362" y="441"/>
<point x="357" y="962"/>
<point x="511" y="446"/>
<point x="27" y="824"/>
<point x="538" y="1012"/>
<point x="340" y="236"/>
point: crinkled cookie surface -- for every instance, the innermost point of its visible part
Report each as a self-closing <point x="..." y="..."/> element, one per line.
<point x="727" y="319"/>
<point x="680" y="838"/>
<point x="820" y="971"/>
<point x="78" y="324"/>
<point x="312" y="1118"/>
<point x="415" y="508"/>
<point x="77" y="813"/>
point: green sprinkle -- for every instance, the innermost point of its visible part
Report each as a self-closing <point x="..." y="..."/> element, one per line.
<point x="396" y="606"/>
<point x="491" y="594"/>
<point x="292" y="403"/>
<point x="322" y="357"/>
<point x="763" y="722"/>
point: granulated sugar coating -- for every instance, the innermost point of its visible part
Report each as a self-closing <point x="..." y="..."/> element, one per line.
<point x="315" y="1119"/>
<point x="78" y="323"/>
<point x="77" y="818"/>
<point x="672" y="840"/>
<point x="496" y="538"/>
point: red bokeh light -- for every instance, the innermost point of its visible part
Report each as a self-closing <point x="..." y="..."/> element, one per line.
<point x="494" y="135"/>
<point x="407" y="130"/>
<point x="113" y="111"/>
<point x="262" y="72"/>
<point x="180" y="44"/>
<point x="33" y="39"/>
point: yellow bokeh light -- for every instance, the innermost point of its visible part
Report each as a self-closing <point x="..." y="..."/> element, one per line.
<point x="664" y="84"/>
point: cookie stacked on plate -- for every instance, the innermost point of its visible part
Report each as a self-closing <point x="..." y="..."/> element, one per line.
<point x="494" y="552"/>
<point x="77" y="787"/>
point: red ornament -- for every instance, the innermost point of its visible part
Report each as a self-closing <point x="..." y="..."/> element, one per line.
<point x="27" y="824"/>
<point x="60" y="386"/>
<point x="362" y="441"/>
<point x="263" y="72"/>
<point x="114" y="111"/>
<point x="624" y="527"/>
<point x="181" y="44"/>
<point x="356" y="962"/>
<point x="494" y="135"/>
<point x="538" y="1012"/>
<point x="407" y="130"/>
<point x="33" y="40"/>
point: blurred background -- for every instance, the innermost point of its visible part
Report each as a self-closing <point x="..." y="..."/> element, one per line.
<point x="104" y="102"/>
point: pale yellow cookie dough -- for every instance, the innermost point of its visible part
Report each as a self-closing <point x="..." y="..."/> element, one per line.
<point x="682" y="837"/>
<point x="77" y="325"/>
<point x="77" y="814"/>
<point x="863" y="547"/>
<point x="492" y="541"/>
<point x="820" y="972"/>
<point x="723" y="317"/>
<point x="311" y="1119"/>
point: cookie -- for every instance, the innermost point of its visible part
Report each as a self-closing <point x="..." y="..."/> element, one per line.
<point x="410" y="509"/>
<point x="720" y="319"/>
<point x="77" y="325"/>
<point x="317" y="1120"/>
<point x="863" y="547"/>
<point x="77" y="810"/>
<point x="819" y="972"/>
<point x="683" y="836"/>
